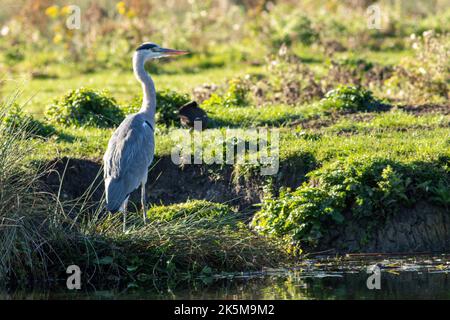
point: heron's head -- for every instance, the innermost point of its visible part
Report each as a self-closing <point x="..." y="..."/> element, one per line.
<point x="151" y="50"/>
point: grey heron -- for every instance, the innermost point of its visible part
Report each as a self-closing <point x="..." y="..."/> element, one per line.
<point x="131" y="147"/>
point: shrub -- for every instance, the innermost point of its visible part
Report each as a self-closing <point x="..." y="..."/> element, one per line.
<point x="349" y="98"/>
<point x="85" y="107"/>
<point x="197" y="208"/>
<point x="167" y="104"/>
<point x="360" y="189"/>
<point x="235" y="96"/>
<point x="357" y="72"/>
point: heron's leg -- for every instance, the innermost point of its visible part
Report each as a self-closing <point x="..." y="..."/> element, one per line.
<point x="144" y="205"/>
<point x="124" y="210"/>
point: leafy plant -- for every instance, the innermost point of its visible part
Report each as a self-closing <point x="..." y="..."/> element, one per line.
<point x="361" y="189"/>
<point x="85" y="107"/>
<point x="350" y="98"/>
<point x="235" y="95"/>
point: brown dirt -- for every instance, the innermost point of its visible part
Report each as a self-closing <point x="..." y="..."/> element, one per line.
<point x="422" y="228"/>
<point x="318" y="122"/>
<point x="169" y="183"/>
<point x="443" y="109"/>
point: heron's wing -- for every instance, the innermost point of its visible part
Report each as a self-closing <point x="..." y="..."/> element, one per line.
<point x="130" y="150"/>
<point x="126" y="161"/>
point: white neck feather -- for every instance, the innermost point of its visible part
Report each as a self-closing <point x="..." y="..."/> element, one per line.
<point x="148" y="87"/>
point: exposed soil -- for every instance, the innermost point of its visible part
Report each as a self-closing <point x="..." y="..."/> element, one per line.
<point x="169" y="183"/>
<point x="318" y="122"/>
<point x="423" y="228"/>
<point x="443" y="109"/>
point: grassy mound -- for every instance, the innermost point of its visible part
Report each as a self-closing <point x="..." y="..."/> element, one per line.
<point x="85" y="107"/>
<point x="197" y="208"/>
<point x="349" y="98"/>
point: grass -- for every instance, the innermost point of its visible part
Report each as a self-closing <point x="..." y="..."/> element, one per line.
<point x="197" y="239"/>
<point x="121" y="84"/>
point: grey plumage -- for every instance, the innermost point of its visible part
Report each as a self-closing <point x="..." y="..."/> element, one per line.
<point x="131" y="148"/>
<point x="127" y="159"/>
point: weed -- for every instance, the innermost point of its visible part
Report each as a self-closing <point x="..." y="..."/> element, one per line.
<point x="85" y="107"/>
<point x="348" y="98"/>
<point x="360" y="189"/>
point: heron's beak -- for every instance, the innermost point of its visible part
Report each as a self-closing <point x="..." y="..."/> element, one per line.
<point x="172" y="52"/>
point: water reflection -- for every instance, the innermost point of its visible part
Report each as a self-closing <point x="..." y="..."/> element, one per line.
<point x="405" y="277"/>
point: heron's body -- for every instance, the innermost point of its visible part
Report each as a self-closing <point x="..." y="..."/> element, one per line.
<point x="127" y="159"/>
<point x="132" y="146"/>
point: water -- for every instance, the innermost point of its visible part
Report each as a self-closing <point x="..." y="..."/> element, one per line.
<point x="401" y="277"/>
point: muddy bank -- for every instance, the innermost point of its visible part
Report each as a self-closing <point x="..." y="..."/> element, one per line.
<point x="169" y="183"/>
<point x="422" y="228"/>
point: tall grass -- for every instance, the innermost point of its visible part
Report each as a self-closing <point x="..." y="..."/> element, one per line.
<point x="24" y="211"/>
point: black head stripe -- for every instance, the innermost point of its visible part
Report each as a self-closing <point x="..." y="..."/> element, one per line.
<point x="146" y="46"/>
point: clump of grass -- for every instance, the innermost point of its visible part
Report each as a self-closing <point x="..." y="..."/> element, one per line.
<point x="24" y="212"/>
<point x="201" y="208"/>
<point x="85" y="107"/>
<point x="359" y="189"/>
<point x="184" y="249"/>
<point x="235" y="96"/>
<point x="350" y="98"/>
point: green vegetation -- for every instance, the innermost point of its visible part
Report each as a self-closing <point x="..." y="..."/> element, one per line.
<point x="85" y="107"/>
<point x="235" y="96"/>
<point x="346" y="98"/>
<point x="181" y="243"/>
<point x="367" y="188"/>
<point x="362" y="113"/>
<point x="196" y="208"/>
<point x="15" y="119"/>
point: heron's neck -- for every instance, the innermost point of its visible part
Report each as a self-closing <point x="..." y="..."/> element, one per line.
<point x="148" y="88"/>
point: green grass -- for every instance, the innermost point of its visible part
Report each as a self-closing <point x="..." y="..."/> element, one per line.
<point x="121" y="84"/>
